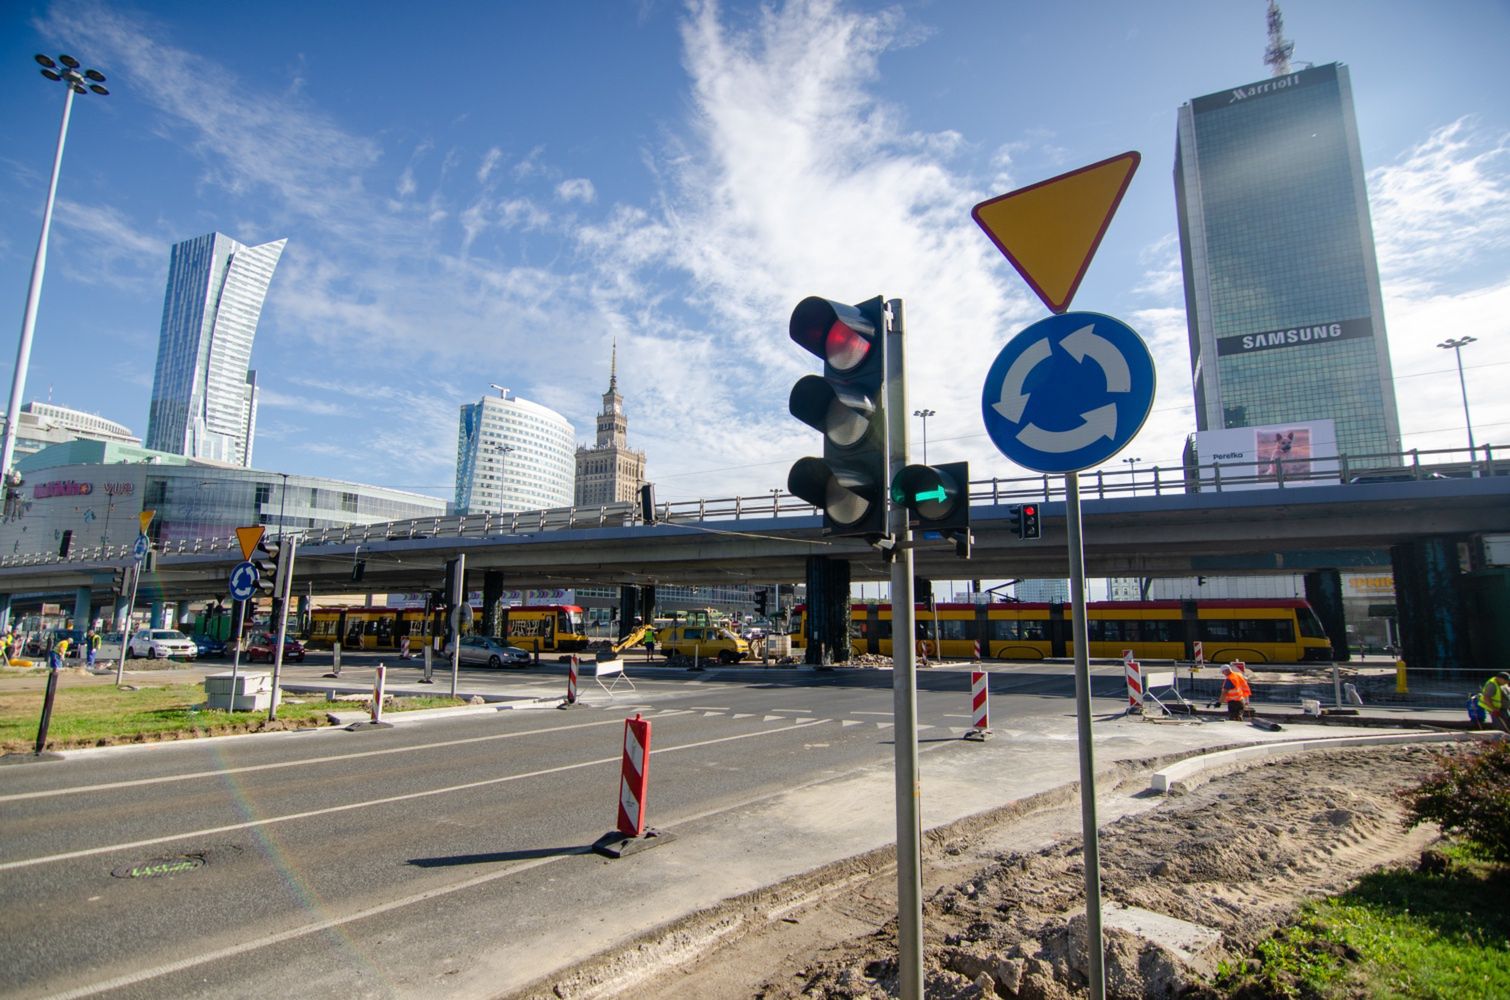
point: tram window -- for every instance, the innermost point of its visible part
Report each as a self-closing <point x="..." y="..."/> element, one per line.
<point x="956" y="628"/>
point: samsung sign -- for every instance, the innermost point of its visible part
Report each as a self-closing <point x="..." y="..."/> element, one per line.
<point x="1296" y="336"/>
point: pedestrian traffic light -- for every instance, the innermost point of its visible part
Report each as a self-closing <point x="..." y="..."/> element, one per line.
<point x="848" y="404"/>
<point x="1025" y="520"/>
<point x="938" y="499"/>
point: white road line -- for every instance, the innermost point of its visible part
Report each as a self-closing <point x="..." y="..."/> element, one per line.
<point x="887" y="714"/>
<point x="245" y="947"/>
<point x="329" y="758"/>
<point x="271" y="820"/>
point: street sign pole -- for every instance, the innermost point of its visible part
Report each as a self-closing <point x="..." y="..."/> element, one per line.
<point x="1088" y="826"/>
<point x="459" y="587"/>
<point x="904" y="688"/>
<point x="282" y="586"/>
<point x="238" y="619"/>
<point x="120" y="664"/>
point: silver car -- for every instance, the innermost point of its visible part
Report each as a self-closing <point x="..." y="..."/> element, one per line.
<point x="493" y="652"/>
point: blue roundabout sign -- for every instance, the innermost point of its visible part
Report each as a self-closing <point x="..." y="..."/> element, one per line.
<point x="1068" y="393"/>
<point x="244" y="581"/>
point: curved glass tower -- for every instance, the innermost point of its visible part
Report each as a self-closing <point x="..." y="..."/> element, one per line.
<point x="204" y="397"/>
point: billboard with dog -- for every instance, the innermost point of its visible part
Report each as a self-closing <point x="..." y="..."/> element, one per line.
<point x="1303" y="453"/>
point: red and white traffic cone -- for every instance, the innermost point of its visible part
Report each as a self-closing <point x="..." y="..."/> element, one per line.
<point x="630" y="833"/>
<point x="1134" y="681"/>
<point x="980" y="710"/>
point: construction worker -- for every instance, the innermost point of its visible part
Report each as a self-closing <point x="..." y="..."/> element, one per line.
<point x="1495" y="700"/>
<point x="1235" y="692"/>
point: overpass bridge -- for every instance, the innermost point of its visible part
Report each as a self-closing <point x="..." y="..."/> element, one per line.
<point x="1415" y="525"/>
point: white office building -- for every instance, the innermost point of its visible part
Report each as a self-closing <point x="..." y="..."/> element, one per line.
<point x="513" y="454"/>
<point x="42" y="425"/>
<point x="204" y="394"/>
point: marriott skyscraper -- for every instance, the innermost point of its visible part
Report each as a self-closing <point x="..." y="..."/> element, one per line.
<point x="1282" y="298"/>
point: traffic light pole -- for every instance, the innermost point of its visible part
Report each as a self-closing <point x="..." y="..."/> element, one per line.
<point x="283" y="584"/>
<point x="1088" y="826"/>
<point x="904" y="689"/>
<point x="120" y="664"/>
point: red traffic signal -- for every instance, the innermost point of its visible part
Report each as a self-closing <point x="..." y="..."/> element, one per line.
<point x="1026" y="518"/>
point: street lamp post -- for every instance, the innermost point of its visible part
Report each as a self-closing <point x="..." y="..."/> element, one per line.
<point x="1132" y="474"/>
<point x="1457" y="349"/>
<point x="75" y="81"/>
<point x="925" y="414"/>
<point x="503" y="454"/>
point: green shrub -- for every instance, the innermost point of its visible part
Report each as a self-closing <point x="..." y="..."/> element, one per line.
<point x="1469" y="796"/>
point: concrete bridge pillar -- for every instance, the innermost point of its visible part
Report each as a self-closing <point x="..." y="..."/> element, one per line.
<point x="4" y="612"/>
<point x="83" y="611"/>
<point x="827" y="621"/>
<point x="1324" y="594"/>
<point x="647" y="604"/>
<point x="156" y="620"/>
<point x="1429" y="600"/>
<point x="492" y="597"/>
<point x="629" y="600"/>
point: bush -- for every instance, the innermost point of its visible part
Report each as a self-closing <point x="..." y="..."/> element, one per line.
<point x="1469" y="797"/>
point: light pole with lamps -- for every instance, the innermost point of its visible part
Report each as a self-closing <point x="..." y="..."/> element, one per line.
<point x="75" y="81"/>
<point x="1132" y="472"/>
<point x="1457" y="349"/>
<point x="925" y="414"/>
<point x="503" y="455"/>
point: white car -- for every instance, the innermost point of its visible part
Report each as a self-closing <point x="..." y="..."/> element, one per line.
<point x="161" y="643"/>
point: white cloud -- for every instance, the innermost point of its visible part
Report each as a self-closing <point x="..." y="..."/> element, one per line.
<point x="577" y="189"/>
<point x="489" y="162"/>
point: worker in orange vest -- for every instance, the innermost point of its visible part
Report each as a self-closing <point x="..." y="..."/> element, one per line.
<point x="1235" y="692"/>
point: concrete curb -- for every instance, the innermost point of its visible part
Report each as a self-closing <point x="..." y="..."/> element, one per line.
<point x="1195" y="771"/>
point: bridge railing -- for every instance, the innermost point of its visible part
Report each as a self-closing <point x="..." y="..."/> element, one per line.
<point x="1135" y="480"/>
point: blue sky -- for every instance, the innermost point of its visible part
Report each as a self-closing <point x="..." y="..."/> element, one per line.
<point x="492" y="192"/>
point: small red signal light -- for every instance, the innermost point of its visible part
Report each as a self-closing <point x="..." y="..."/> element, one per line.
<point x="1030" y="510"/>
<point x="843" y="347"/>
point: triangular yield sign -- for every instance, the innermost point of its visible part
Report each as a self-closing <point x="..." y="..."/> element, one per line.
<point x="249" y="537"/>
<point x="1050" y="230"/>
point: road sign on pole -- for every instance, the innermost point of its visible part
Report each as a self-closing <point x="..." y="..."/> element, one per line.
<point x="1068" y="393"/>
<point x="249" y="537"/>
<point x="244" y="579"/>
<point x="1050" y="230"/>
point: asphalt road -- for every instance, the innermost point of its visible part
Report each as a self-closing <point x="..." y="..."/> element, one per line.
<point x="452" y="856"/>
<point x="330" y="845"/>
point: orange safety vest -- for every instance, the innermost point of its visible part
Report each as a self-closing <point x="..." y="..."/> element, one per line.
<point x="1235" y="687"/>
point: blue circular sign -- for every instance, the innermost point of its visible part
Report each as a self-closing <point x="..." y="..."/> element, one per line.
<point x="1068" y="393"/>
<point x="139" y="550"/>
<point x="243" y="581"/>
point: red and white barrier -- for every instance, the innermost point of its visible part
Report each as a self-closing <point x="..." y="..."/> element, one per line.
<point x="980" y="709"/>
<point x="1200" y="655"/>
<point x="1134" y="681"/>
<point x="977" y="650"/>
<point x="377" y="695"/>
<point x="571" y="682"/>
<point x="634" y="776"/>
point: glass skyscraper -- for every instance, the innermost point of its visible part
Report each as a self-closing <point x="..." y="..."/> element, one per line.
<point x="513" y="454"/>
<point x="1285" y="315"/>
<point x="204" y="397"/>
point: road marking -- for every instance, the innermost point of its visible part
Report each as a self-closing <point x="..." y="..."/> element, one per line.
<point x="744" y="715"/>
<point x="706" y="714"/>
<point x="707" y="708"/>
<point x="774" y="718"/>
<point x="348" y="807"/>
<point x="852" y="722"/>
<point x="329" y="758"/>
<point x="887" y="714"/>
<point x="791" y="711"/>
<point x="292" y="934"/>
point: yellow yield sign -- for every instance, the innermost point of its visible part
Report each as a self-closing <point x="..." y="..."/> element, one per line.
<point x="249" y="537"/>
<point x="1050" y="230"/>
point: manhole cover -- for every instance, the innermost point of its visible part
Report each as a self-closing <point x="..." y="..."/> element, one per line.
<point x="161" y="867"/>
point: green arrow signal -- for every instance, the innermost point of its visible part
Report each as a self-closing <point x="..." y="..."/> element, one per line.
<point x="937" y="493"/>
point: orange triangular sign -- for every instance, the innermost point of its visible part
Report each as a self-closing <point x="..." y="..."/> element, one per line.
<point x="1050" y="230"/>
<point x="249" y="537"/>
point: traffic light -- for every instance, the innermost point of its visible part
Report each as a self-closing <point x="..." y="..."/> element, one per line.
<point x="647" y="503"/>
<point x="848" y="404"/>
<point x="762" y="601"/>
<point x="265" y="558"/>
<point x="453" y="593"/>
<point x="65" y="544"/>
<point x="1025" y="520"/>
<point x="357" y="569"/>
<point x="938" y="497"/>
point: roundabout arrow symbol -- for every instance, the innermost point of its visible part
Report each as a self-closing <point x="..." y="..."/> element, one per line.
<point x="1013" y="400"/>
<point x="1085" y="341"/>
<point x="1099" y="423"/>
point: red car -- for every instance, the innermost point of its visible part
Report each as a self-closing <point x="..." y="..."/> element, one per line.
<point x="262" y="647"/>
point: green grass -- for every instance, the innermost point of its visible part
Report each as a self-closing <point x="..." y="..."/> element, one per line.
<point x="1399" y="934"/>
<point x="102" y="714"/>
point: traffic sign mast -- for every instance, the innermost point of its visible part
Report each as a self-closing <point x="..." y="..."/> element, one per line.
<point x="1049" y="231"/>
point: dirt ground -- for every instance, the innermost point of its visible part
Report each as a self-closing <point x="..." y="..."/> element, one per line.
<point x="1004" y="901"/>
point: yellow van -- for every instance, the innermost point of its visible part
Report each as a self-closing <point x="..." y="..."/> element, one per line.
<point x="703" y="641"/>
